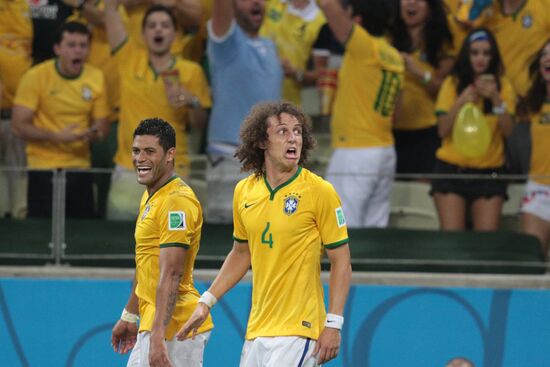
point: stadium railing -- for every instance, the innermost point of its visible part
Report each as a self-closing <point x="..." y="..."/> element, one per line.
<point x="411" y="243"/>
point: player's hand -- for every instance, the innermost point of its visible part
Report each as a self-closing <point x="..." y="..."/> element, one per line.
<point x="469" y="94"/>
<point x="124" y="336"/>
<point x="195" y="321"/>
<point x="158" y="354"/>
<point x="328" y="345"/>
<point x="69" y="134"/>
<point x="411" y="65"/>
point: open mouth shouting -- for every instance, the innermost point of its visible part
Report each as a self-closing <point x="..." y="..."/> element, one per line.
<point x="292" y="153"/>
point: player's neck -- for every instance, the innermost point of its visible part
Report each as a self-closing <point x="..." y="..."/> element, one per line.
<point x="161" y="62"/>
<point x="276" y="176"/>
<point x="161" y="181"/>
<point x="511" y="6"/>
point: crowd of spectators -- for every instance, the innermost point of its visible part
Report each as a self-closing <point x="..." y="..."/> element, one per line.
<point x="77" y="76"/>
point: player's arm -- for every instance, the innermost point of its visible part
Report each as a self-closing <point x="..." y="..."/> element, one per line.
<point x="222" y="17"/>
<point x="124" y="333"/>
<point x="189" y="13"/>
<point x="328" y="343"/>
<point x="337" y="18"/>
<point x="234" y="268"/>
<point x="171" y="264"/>
<point x="99" y="129"/>
<point x="116" y="33"/>
<point x="23" y="127"/>
<point x="93" y="14"/>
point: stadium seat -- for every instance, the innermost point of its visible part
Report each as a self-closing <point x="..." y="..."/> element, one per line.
<point x="375" y="249"/>
<point x="411" y="206"/>
<point x="510" y="211"/>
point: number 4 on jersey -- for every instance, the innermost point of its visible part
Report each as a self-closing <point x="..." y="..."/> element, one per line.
<point x="265" y="239"/>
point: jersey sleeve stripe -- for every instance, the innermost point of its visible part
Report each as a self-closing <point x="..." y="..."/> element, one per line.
<point x="174" y="244"/>
<point x="337" y="244"/>
<point x="239" y="239"/>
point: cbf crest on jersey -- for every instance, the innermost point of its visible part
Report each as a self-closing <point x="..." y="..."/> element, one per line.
<point x="527" y="21"/>
<point x="291" y="203"/>
<point x="86" y="93"/>
<point x="145" y="212"/>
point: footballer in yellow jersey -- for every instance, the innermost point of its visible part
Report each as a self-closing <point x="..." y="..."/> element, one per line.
<point x="494" y="156"/>
<point x="520" y="35"/>
<point x="168" y="232"/>
<point x="285" y="218"/>
<point x="168" y="217"/>
<point x="287" y="228"/>
<point x="293" y="30"/>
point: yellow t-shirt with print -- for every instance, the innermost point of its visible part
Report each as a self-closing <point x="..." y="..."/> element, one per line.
<point x="369" y="82"/>
<point x="494" y="156"/>
<point x="417" y="106"/>
<point x="520" y="36"/>
<point x="287" y="228"/>
<point x="15" y="46"/>
<point x="143" y="95"/>
<point x="294" y="32"/>
<point x="540" y="141"/>
<point x="171" y="216"/>
<point x="57" y="102"/>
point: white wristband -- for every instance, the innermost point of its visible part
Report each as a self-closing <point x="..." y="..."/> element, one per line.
<point x="334" y="321"/>
<point x="129" y="317"/>
<point x="208" y="299"/>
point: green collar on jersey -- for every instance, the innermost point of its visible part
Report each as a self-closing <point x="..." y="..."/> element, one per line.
<point x="288" y="182"/>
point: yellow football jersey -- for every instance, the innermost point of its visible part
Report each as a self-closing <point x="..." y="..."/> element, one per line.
<point x="540" y="140"/>
<point x="369" y="82"/>
<point x="15" y="46"/>
<point x="57" y="102"/>
<point x="287" y="228"/>
<point x="417" y="109"/>
<point x="143" y="95"/>
<point x="520" y="36"/>
<point x="494" y="157"/>
<point x="293" y="31"/>
<point x="171" y="216"/>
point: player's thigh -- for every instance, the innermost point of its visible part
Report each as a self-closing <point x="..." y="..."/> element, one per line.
<point x="188" y="352"/>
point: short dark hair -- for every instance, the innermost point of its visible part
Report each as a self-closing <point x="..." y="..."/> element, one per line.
<point x="72" y="27"/>
<point x="254" y="133"/>
<point x="161" y="129"/>
<point x="376" y="15"/>
<point x="159" y="8"/>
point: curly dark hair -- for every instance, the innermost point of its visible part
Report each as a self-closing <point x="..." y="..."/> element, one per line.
<point x="254" y="134"/>
<point x="436" y="32"/>
<point x="537" y="92"/>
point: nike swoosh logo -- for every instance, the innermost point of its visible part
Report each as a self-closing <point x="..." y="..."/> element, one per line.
<point x="248" y="205"/>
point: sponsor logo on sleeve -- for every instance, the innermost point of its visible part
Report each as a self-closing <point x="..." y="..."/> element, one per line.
<point x="340" y="219"/>
<point x="176" y="221"/>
